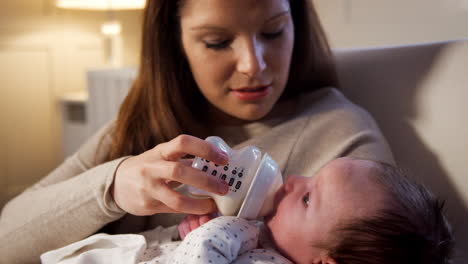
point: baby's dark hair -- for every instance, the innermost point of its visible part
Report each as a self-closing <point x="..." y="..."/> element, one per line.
<point x="411" y="227"/>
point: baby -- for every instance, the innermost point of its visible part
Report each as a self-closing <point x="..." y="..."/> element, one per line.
<point x="355" y="211"/>
<point x="351" y="211"/>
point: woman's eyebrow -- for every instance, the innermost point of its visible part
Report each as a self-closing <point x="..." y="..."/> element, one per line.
<point x="208" y="27"/>
<point x="278" y="15"/>
<point x="221" y="29"/>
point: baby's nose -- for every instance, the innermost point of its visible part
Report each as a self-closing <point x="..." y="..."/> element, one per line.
<point x="291" y="181"/>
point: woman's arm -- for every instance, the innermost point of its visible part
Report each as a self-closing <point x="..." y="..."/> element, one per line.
<point x="78" y="198"/>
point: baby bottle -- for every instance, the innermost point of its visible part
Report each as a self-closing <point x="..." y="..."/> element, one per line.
<point x="253" y="180"/>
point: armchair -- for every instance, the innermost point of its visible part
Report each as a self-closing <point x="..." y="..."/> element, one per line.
<point x="419" y="96"/>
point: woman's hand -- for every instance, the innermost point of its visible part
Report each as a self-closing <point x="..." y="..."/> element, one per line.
<point x="192" y="222"/>
<point x="141" y="184"/>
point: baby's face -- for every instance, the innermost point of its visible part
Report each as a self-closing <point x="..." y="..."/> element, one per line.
<point x="307" y="208"/>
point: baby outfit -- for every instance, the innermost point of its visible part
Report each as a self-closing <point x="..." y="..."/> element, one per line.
<point x="225" y="239"/>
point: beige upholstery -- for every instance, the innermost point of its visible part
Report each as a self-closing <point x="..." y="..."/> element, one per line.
<point x="419" y="96"/>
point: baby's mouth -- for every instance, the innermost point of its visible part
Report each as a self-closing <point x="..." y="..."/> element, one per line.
<point x="279" y="195"/>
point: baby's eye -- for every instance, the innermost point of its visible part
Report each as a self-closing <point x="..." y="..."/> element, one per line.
<point x="305" y="199"/>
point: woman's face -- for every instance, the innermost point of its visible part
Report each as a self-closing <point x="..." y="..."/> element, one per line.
<point x="308" y="208"/>
<point x="239" y="53"/>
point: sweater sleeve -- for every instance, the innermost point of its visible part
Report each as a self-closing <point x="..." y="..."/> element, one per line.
<point x="69" y="204"/>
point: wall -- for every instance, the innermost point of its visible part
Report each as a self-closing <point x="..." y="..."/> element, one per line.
<point x="44" y="53"/>
<point x="359" y="23"/>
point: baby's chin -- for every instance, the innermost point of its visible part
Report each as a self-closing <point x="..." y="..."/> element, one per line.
<point x="269" y="224"/>
<point x="268" y="220"/>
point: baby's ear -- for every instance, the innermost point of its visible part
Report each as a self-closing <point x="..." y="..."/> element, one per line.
<point x="329" y="260"/>
<point x="325" y="260"/>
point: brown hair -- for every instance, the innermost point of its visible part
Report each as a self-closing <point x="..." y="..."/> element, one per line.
<point x="411" y="228"/>
<point x="164" y="101"/>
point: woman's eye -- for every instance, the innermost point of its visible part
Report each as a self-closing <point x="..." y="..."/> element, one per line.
<point x="305" y="199"/>
<point x="218" y="45"/>
<point x="272" y="35"/>
<point x="224" y="44"/>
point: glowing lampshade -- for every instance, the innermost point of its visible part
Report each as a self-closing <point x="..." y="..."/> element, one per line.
<point x="101" y="4"/>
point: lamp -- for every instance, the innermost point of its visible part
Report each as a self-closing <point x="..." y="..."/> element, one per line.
<point x="111" y="28"/>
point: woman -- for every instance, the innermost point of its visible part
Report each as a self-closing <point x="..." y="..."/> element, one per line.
<point x="252" y="72"/>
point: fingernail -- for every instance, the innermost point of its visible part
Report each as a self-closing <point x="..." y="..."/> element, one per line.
<point x="223" y="155"/>
<point x="223" y="188"/>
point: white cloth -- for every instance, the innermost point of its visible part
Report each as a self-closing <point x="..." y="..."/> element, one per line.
<point x="221" y="240"/>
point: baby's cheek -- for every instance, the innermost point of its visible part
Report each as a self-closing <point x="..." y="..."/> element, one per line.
<point x="286" y="209"/>
<point x="280" y="224"/>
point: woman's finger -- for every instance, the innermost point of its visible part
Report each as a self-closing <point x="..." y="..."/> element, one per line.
<point x="154" y="206"/>
<point x="185" y="174"/>
<point x="182" y="203"/>
<point x="187" y="162"/>
<point x="185" y="144"/>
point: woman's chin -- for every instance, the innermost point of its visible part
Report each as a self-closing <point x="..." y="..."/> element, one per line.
<point x="251" y="116"/>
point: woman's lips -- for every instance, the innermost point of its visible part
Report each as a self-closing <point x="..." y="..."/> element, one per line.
<point x="252" y="93"/>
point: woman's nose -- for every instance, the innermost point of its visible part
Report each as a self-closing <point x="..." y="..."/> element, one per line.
<point x="251" y="59"/>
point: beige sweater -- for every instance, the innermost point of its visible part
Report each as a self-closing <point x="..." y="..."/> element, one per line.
<point x="73" y="201"/>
